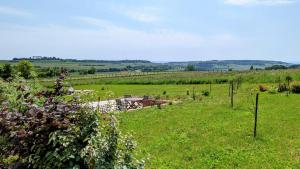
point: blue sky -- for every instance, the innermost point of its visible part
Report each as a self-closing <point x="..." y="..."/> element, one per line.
<point x="157" y="30"/>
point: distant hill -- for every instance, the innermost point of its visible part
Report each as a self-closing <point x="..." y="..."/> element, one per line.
<point x="75" y="65"/>
<point x="296" y="66"/>
<point x="45" y="58"/>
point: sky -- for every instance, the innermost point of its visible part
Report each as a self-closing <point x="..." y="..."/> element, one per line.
<point x="155" y="30"/>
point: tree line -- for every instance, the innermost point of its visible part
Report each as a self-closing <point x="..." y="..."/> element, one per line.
<point x="25" y="69"/>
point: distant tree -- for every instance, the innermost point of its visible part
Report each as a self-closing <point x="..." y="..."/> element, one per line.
<point x="276" y="67"/>
<point x="190" y="67"/>
<point x="51" y="72"/>
<point x="251" y="68"/>
<point x="83" y="72"/>
<point x="92" y="70"/>
<point x="128" y="67"/>
<point x="37" y="58"/>
<point x="230" y="69"/>
<point x="46" y="72"/>
<point x="6" y="72"/>
<point x="25" y="68"/>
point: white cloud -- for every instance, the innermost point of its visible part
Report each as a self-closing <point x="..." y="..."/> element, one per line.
<point x="258" y="2"/>
<point x="163" y="37"/>
<point x="144" y="14"/>
<point x="100" y="23"/>
<point x="14" y="12"/>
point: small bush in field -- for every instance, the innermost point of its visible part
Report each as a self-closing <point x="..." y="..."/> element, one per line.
<point x="102" y="88"/>
<point x="164" y="92"/>
<point x="205" y="93"/>
<point x="187" y="92"/>
<point x="262" y="88"/>
<point x="296" y="88"/>
<point x="282" y="87"/>
<point x="272" y="90"/>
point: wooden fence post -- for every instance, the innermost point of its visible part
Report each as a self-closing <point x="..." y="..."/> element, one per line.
<point x="98" y="106"/>
<point x="229" y="89"/>
<point x="232" y="94"/>
<point x="289" y="88"/>
<point x="194" y="96"/>
<point x="255" y="115"/>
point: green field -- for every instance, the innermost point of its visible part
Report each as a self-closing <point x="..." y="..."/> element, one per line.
<point x="167" y="78"/>
<point x="207" y="132"/>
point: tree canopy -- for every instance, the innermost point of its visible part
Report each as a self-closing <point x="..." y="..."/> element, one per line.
<point x="25" y="68"/>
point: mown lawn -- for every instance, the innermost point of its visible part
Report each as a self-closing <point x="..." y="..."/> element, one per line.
<point x="208" y="133"/>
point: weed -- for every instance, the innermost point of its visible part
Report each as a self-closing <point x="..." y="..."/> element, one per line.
<point x="205" y="93"/>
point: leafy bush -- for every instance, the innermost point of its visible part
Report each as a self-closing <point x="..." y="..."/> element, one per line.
<point x="272" y="90"/>
<point x="205" y="93"/>
<point x="92" y="70"/>
<point x="190" y="68"/>
<point x="25" y="69"/>
<point x="42" y="130"/>
<point x="282" y="87"/>
<point x="49" y="72"/>
<point x="296" y="88"/>
<point x="262" y="88"/>
<point x="6" y="72"/>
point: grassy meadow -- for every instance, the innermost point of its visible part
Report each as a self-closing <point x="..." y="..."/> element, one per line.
<point x="207" y="132"/>
<point x="167" y="78"/>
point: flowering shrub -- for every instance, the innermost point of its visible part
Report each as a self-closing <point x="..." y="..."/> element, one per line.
<point x="262" y="88"/>
<point x="42" y="130"/>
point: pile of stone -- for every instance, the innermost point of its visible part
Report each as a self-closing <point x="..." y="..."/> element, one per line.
<point x="126" y="103"/>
